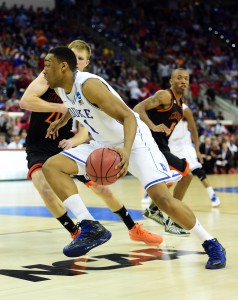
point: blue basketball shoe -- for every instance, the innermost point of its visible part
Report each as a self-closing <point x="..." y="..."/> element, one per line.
<point x="216" y="254"/>
<point x="215" y="201"/>
<point x="92" y="235"/>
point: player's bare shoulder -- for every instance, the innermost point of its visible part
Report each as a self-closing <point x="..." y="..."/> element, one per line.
<point x="94" y="90"/>
<point x="162" y="98"/>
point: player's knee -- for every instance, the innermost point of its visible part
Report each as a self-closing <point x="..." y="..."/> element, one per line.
<point x="45" y="168"/>
<point x="48" y="167"/>
<point x="199" y="173"/>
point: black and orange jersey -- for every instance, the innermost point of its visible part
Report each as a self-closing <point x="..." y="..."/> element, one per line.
<point x="39" y="124"/>
<point x="169" y="117"/>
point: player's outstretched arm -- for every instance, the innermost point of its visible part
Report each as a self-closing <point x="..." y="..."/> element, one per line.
<point x="31" y="99"/>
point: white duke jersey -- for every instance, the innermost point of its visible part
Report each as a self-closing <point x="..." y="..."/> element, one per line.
<point x="181" y="145"/>
<point x="102" y="127"/>
<point x="108" y="132"/>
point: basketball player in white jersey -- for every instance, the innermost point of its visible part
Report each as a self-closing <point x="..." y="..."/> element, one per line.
<point x="93" y="102"/>
<point x="184" y="143"/>
<point x="46" y="106"/>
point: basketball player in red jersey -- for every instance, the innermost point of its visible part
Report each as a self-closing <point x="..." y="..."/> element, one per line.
<point x="162" y="112"/>
<point x="47" y="107"/>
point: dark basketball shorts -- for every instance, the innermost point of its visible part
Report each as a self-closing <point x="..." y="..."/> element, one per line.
<point x="35" y="160"/>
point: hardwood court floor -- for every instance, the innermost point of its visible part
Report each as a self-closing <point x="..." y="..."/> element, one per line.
<point x="32" y="265"/>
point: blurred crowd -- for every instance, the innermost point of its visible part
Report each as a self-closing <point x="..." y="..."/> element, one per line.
<point x="159" y="40"/>
<point x="219" y="150"/>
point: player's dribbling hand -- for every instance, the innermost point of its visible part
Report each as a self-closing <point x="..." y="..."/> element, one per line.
<point x="124" y="161"/>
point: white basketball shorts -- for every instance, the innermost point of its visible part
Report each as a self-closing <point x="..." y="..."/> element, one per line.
<point x="147" y="163"/>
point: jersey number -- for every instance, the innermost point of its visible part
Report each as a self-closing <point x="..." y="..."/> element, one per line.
<point x="53" y="117"/>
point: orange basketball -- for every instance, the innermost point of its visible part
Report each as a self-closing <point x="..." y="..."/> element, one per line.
<point x="100" y="166"/>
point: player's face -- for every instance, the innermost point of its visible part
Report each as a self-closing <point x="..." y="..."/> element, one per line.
<point x="52" y="71"/>
<point x="179" y="81"/>
<point x="82" y="58"/>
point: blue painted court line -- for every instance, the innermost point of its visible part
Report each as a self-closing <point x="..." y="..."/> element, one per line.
<point x="41" y="211"/>
<point x="233" y="190"/>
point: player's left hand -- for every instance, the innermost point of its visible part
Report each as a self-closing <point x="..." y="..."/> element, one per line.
<point x="66" y="144"/>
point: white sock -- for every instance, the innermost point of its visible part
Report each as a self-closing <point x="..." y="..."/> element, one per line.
<point x="210" y="191"/>
<point x="75" y="204"/>
<point x="200" y="232"/>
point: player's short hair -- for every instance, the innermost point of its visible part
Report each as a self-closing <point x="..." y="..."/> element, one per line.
<point x="81" y="45"/>
<point x="62" y="54"/>
<point x="178" y="69"/>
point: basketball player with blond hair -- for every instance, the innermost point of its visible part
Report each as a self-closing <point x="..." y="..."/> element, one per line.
<point x="46" y="107"/>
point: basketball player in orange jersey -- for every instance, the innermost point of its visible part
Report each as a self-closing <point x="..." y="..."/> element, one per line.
<point x="162" y="112"/>
<point x="46" y="106"/>
<point x="92" y="101"/>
